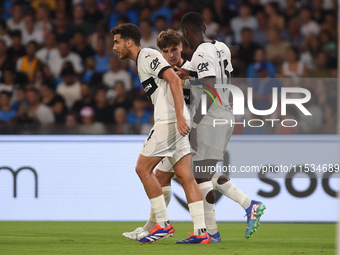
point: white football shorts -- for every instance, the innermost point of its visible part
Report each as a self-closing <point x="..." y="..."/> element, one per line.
<point x="212" y="141"/>
<point x="164" y="140"/>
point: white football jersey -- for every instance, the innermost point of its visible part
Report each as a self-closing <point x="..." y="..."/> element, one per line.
<point x="151" y="65"/>
<point x="186" y="83"/>
<point x="212" y="60"/>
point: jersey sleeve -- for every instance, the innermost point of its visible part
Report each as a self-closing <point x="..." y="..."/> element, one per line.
<point x="202" y="66"/>
<point x="229" y="67"/>
<point x="154" y="64"/>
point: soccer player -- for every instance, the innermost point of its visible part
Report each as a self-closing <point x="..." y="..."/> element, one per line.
<point x="168" y="137"/>
<point x="169" y="43"/>
<point x="210" y="65"/>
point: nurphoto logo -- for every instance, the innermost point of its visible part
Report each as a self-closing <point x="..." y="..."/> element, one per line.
<point x="239" y="103"/>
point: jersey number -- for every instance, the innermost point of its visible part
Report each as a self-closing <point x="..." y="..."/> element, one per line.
<point x="225" y="64"/>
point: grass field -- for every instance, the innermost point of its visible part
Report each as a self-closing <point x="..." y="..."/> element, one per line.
<point x="106" y="238"/>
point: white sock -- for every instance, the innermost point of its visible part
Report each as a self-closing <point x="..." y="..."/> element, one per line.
<point x="230" y="190"/>
<point x="197" y="215"/>
<point x="151" y="223"/>
<point x="158" y="206"/>
<point x="209" y="209"/>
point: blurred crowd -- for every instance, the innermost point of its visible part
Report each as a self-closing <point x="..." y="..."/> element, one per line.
<point x="58" y="73"/>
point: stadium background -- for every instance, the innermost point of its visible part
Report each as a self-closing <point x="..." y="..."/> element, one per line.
<point x="71" y="64"/>
<point x="83" y="175"/>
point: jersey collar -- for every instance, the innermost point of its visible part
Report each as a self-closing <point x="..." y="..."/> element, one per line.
<point x="137" y="57"/>
<point x="184" y="61"/>
<point x="213" y="42"/>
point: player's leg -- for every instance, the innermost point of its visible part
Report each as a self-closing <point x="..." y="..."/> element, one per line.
<point x="144" y="170"/>
<point x="153" y="189"/>
<point x="194" y="198"/>
<point x="210" y="146"/>
<point x="254" y="209"/>
<point x="164" y="178"/>
<point x="225" y="186"/>
<point x="208" y="195"/>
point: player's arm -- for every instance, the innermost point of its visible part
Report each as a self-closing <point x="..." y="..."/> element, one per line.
<point x="206" y="81"/>
<point x="182" y="73"/>
<point x="210" y="81"/>
<point x="202" y="73"/>
<point x="174" y="81"/>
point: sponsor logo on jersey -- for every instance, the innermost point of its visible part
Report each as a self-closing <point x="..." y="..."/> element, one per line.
<point x="186" y="95"/>
<point x="147" y="87"/>
<point x="201" y="55"/>
<point x="202" y="67"/>
<point x="148" y="55"/>
<point x="154" y="64"/>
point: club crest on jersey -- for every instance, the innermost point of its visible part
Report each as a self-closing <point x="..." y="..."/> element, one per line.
<point x="219" y="53"/>
<point x="154" y="64"/>
<point x="202" y="67"/>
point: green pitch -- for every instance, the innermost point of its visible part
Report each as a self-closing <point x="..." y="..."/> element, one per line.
<point x="106" y="238"/>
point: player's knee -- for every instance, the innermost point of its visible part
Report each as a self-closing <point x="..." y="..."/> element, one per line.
<point x="210" y="197"/>
<point x="181" y="179"/>
<point x="162" y="178"/>
<point x="139" y="171"/>
<point x="222" y="179"/>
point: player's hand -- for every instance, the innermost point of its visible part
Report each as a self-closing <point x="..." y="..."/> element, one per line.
<point x="193" y="139"/>
<point x="182" y="126"/>
<point x="182" y="73"/>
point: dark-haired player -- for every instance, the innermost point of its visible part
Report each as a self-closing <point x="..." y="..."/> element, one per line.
<point x="169" y="43"/>
<point x="168" y="137"/>
<point x="210" y="65"/>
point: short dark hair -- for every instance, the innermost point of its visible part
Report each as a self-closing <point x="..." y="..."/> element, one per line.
<point x="306" y="8"/>
<point x="168" y="38"/>
<point x="295" y="50"/>
<point x="2" y="41"/>
<point x="100" y="87"/>
<point x="192" y="20"/>
<point x="15" y="33"/>
<point x="33" y="42"/>
<point x="146" y="21"/>
<point x="67" y="71"/>
<point x="246" y="29"/>
<point x="128" y="31"/>
<point x="34" y="90"/>
<point x="63" y="39"/>
<point x="9" y="67"/>
<point x="18" y="3"/>
<point x="7" y="93"/>
<point x="161" y="17"/>
<point x="245" y="4"/>
<point x="48" y="84"/>
<point x="3" y="24"/>
<point x="80" y="31"/>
